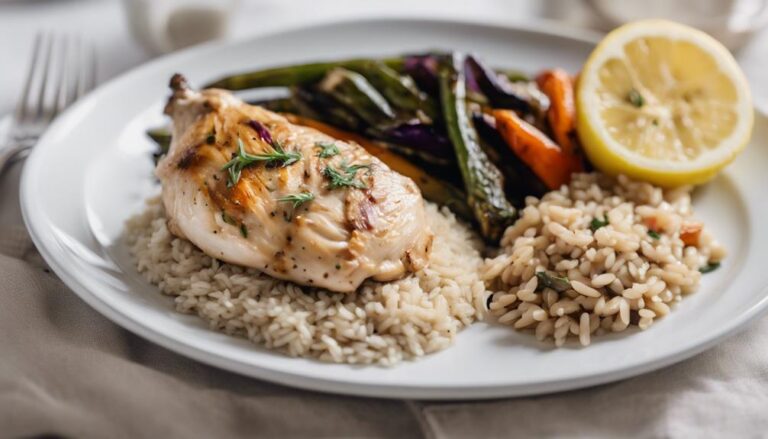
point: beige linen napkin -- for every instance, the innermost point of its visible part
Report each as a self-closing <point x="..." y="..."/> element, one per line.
<point x="65" y="370"/>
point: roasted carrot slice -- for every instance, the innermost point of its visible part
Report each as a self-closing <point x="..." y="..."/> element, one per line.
<point x="690" y="233"/>
<point x="557" y="84"/>
<point x="547" y="160"/>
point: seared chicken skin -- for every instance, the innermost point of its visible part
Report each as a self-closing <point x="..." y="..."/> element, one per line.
<point x="248" y="187"/>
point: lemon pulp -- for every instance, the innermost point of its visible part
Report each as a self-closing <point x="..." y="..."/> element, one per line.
<point x="662" y="102"/>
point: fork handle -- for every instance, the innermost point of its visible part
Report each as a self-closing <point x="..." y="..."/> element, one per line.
<point x="8" y="154"/>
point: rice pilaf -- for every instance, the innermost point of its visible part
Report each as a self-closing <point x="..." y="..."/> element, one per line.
<point x="596" y="256"/>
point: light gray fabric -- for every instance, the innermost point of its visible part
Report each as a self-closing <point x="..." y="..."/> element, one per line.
<point x="65" y="370"/>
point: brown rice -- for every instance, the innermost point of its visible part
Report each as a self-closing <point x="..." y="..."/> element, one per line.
<point x="381" y="323"/>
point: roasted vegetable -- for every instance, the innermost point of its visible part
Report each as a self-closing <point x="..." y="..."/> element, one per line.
<point x="550" y="163"/>
<point x="301" y="74"/>
<point x="352" y="90"/>
<point x="513" y="75"/>
<point x="310" y="103"/>
<point x="279" y="105"/>
<point x="557" y="85"/>
<point x="423" y="139"/>
<point x="400" y="91"/>
<point x="506" y="95"/>
<point x="483" y="181"/>
<point x="432" y="188"/>
<point x="519" y="180"/>
<point x="415" y="140"/>
<point x="424" y="71"/>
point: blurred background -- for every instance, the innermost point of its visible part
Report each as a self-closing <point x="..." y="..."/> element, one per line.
<point x="130" y="32"/>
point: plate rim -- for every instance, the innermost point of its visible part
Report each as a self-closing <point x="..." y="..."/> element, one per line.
<point x="333" y="385"/>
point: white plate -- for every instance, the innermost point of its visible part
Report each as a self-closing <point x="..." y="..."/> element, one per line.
<point x="91" y="171"/>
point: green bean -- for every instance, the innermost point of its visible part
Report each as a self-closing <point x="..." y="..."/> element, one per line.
<point x="400" y="91"/>
<point x="291" y="75"/>
<point x="352" y="90"/>
<point x="483" y="181"/>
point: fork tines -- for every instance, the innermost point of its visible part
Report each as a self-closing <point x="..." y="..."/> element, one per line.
<point x="62" y="69"/>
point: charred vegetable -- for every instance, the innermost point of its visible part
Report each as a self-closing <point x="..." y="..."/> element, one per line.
<point x="518" y="97"/>
<point x="288" y="76"/>
<point x="310" y="103"/>
<point x="401" y="92"/>
<point x="519" y="180"/>
<point x="553" y="166"/>
<point x="279" y="105"/>
<point x="352" y="90"/>
<point x="483" y="181"/>
<point x="514" y="75"/>
<point x="425" y="140"/>
<point x="557" y="85"/>
<point x="424" y="71"/>
<point x="420" y="141"/>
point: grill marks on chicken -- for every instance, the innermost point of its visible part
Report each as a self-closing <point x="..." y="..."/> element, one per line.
<point x="368" y="222"/>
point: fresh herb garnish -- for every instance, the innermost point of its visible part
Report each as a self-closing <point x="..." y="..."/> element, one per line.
<point x="635" y="98"/>
<point x="327" y="149"/>
<point x="654" y="234"/>
<point x="298" y="199"/>
<point x="597" y="223"/>
<point x="345" y="176"/>
<point x="243" y="230"/>
<point x="710" y="267"/>
<point x="557" y="283"/>
<point x="242" y="159"/>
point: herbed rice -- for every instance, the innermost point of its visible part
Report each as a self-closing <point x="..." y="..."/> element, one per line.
<point x="617" y="275"/>
<point x="381" y="323"/>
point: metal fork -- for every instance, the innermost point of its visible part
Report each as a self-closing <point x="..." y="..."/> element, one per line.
<point x="62" y="69"/>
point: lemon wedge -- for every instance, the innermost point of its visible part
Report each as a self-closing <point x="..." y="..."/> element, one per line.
<point x="662" y="102"/>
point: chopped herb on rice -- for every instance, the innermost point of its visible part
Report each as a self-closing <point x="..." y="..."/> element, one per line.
<point x="557" y="274"/>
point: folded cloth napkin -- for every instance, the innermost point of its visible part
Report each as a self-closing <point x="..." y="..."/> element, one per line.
<point x="67" y="371"/>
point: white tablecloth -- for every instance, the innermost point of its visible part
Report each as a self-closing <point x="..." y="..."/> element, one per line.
<point x="65" y="370"/>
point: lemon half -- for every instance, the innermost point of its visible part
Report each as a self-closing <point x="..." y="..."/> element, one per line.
<point x="662" y="102"/>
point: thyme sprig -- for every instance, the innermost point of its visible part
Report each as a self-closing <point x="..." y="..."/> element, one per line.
<point x="344" y="176"/>
<point x="242" y="159"/>
<point x="297" y="199"/>
<point x="327" y="149"/>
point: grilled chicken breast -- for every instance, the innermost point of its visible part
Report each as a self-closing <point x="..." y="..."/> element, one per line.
<point x="250" y="188"/>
